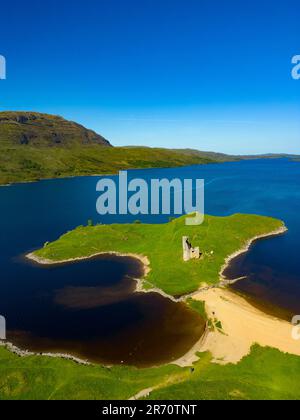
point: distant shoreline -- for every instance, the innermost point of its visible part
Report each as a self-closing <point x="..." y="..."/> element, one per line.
<point x="238" y="159"/>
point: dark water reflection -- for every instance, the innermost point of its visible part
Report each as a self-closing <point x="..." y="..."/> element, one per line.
<point x="89" y="309"/>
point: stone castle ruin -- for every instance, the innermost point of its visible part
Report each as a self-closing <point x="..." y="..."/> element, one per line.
<point x="2" y="328"/>
<point x="189" y="253"/>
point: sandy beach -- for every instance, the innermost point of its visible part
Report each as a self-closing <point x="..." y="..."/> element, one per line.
<point x="243" y="325"/>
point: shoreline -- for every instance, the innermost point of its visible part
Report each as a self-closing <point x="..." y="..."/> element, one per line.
<point x="43" y="261"/>
<point x="223" y="279"/>
<point x="26" y="353"/>
<point x="106" y="174"/>
<point x="239" y="159"/>
<point x="144" y="260"/>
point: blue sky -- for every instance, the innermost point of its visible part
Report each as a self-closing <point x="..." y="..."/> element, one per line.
<point x="211" y="75"/>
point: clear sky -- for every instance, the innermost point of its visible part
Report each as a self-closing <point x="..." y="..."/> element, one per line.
<point x="206" y="74"/>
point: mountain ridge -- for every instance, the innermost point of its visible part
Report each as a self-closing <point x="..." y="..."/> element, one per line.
<point x="45" y="130"/>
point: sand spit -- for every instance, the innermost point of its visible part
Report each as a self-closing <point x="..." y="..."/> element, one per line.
<point x="242" y="326"/>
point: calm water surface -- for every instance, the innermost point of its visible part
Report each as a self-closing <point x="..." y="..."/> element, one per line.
<point x="89" y="308"/>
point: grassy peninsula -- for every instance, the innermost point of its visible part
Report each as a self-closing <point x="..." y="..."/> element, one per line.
<point x="218" y="238"/>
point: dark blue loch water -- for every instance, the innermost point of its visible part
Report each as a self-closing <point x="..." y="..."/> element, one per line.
<point x="89" y="308"/>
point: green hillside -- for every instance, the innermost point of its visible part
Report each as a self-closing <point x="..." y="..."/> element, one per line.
<point x="264" y="374"/>
<point x="36" y="146"/>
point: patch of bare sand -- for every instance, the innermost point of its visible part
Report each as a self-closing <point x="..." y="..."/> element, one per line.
<point x="243" y="326"/>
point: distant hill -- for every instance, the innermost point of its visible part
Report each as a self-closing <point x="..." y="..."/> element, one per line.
<point x="218" y="157"/>
<point x="36" y="146"/>
<point x="270" y="156"/>
<point x="43" y="130"/>
<point x="221" y="157"/>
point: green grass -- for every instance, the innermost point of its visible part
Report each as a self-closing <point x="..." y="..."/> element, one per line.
<point x="25" y="163"/>
<point x="217" y="237"/>
<point x="37" y="377"/>
<point x="198" y="306"/>
<point x="264" y="374"/>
